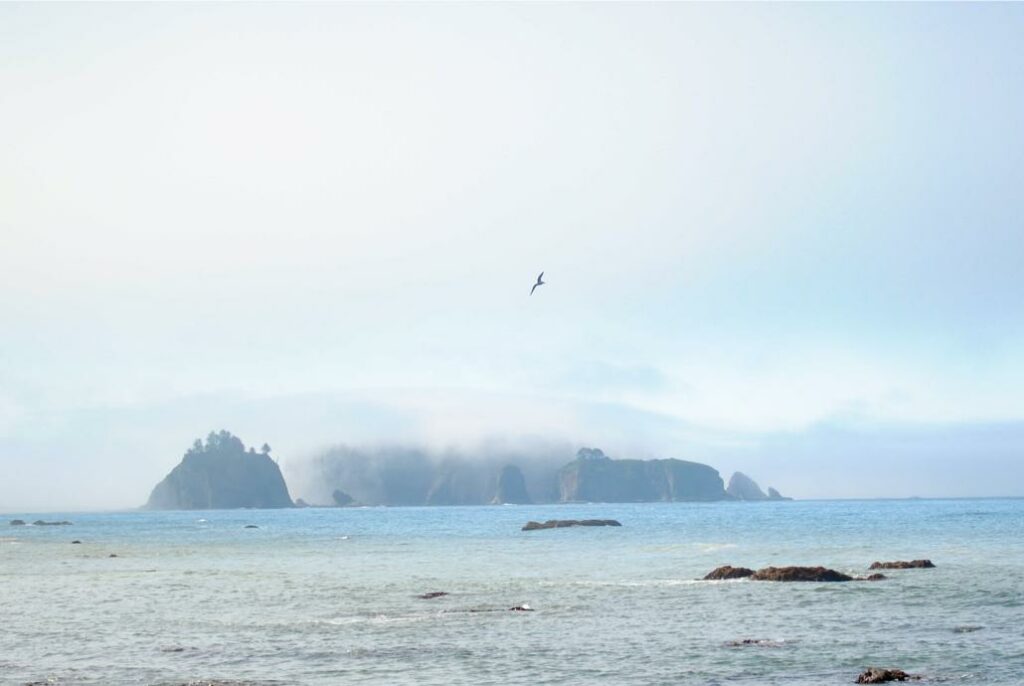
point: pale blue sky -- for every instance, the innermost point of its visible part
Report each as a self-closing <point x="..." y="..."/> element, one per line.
<point x="761" y="225"/>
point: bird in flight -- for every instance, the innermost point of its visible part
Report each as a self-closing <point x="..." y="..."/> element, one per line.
<point x="540" y="282"/>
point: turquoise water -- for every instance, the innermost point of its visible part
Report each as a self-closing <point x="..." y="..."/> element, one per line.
<point x="329" y="596"/>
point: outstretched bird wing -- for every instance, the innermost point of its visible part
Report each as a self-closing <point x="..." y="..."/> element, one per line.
<point x="540" y="282"/>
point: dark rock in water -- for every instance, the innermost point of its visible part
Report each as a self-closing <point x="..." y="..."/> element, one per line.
<point x="729" y="572"/>
<point x="742" y="487"/>
<point x="594" y="477"/>
<point x="299" y="502"/>
<point x="521" y="608"/>
<point x="903" y="564"/>
<point x="221" y="475"/>
<point x="17" y="522"/>
<point x="874" y="577"/>
<point x="251" y="526"/>
<point x="755" y="642"/>
<point x="433" y="594"/>
<point x="172" y="649"/>
<point x="775" y="495"/>
<point x="511" y="487"/>
<point x="967" y="629"/>
<point x="877" y="675"/>
<point x="799" y="574"/>
<point x="40" y="522"/>
<point x="112" y="555"/>
<point x="564" y="523"/>
<point x="76" y="542"/>
<point x="341" y="498"/>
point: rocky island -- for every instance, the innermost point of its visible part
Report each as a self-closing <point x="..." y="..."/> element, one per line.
<point x="222" y="474"/>
<point x="595" y="477"/>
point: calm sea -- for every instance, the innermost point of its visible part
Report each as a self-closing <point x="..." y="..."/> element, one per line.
<point x="329" y="596"/>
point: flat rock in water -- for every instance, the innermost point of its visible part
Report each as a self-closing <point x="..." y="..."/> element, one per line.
<point x="903" y="564"/>
<point x="729" y="572"/>
<point x="564" y="523"/>
<point x="799" y="574"/>
<point x="433" y="594"/>
<point x="877" y="675"/>
<point x="40" y="522"/>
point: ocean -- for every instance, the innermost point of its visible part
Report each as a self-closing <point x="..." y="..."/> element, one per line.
<point x="330" y="596"/>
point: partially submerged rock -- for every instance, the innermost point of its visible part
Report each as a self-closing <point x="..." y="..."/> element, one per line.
<point x="564" y="523"/>
<point x="873" y="577"/>
<point x="251" y="526"/>
<point x="76" y="542"/>
<point x="967" y="629"/>
<point x="755" y="642"/>
<point x="17" y="522"/>
<point x="40" y="522"/>
<point x="729" y="572"/>
<point x="877" y="675"/>
<point x="799" y="574"/>
<point x="903" y="564"/>
<point x="521" y="608"/>
<point x="433" y="594"/>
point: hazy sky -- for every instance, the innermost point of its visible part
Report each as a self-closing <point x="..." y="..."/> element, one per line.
<point x="787" y="238"/>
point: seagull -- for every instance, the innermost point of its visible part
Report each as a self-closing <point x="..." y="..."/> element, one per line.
<point x="540" y="282"/>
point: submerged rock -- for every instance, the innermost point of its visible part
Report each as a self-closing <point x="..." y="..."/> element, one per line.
<point x="564" y="523"/>
<point x="729" y="572"/>
<point x="903" y="564"/>
<point x="877" y="675"/>
<point x="251" y="526"/>
<point x="755" y="642"/>
<point x="967" y="629"/>
<point x="799" y="574"/>
<point x="76" y="542"/>
<point x="433" y="594"/>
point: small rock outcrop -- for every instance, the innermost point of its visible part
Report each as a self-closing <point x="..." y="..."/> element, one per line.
<point x="799" y="574"/>
<point x="511" y="487"/>
<point x="903" y="564"/>
<point x="341" y="498"/>
<point x="877" y="675"/>
<point x="729" y="572"/>
<point x="874" y="577"/>
<point x="565" y="523"/>
<point x="775" y="495"/>
<point x="17" y="522"/>
<point x="40" y="522"/>
<point x="221" y="475"/>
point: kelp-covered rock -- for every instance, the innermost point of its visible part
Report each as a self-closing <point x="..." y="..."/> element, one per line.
<point x="877" y="675"/>
<point x="728" y="572"/>
<point x="799" y="574"/>
<point x="219" y="475"/>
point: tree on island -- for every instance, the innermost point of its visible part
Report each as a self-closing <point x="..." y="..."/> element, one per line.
<point x="265" y="449"/>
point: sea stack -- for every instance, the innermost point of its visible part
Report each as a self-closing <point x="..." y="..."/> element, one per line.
<point x="594" y="477"/>
<point x="221" y="474"/>
<point x="511" y="487"/>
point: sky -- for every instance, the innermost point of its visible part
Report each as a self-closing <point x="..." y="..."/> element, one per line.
<point x="783" y="238"/>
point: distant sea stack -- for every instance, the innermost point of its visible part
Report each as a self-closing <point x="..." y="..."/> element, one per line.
<point x="222" y="474"/>
<point x="511" y="487"/>
<point x="742" y="487"/>
<point x="594" y="477"/>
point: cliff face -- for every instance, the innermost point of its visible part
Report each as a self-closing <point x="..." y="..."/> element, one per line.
<point x="593" y="477"/>
<point x="221" y="474"/>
